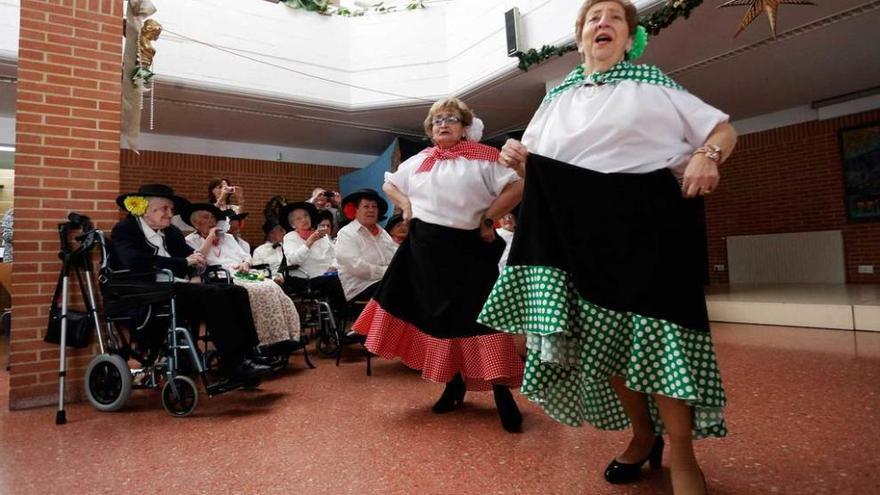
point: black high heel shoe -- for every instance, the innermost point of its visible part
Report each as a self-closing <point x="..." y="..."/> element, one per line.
<point x="619" y="472"/>
<point x="452" y="398"/>
<point x="511" y="418"/>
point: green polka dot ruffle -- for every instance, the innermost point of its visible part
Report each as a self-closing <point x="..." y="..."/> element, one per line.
<point x="574" y="346"/>
<point x="622" y="71"/>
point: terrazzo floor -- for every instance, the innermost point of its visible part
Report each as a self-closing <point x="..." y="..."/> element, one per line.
<point x="804" y="417"/>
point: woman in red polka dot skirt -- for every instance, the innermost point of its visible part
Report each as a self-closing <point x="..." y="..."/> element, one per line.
<point x="426" y="307"/>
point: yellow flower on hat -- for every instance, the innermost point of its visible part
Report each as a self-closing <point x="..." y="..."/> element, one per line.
<point x="136" y="205"/>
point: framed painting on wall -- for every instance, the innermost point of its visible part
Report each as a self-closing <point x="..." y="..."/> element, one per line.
<point x="860" y="154"/>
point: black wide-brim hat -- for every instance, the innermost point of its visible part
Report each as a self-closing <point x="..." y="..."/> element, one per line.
<point x="355" y="198"/>
<point x="232" y="215"/>
<point x="270" y="224"/>
<point x="393" y="221"/>
<point x="287" y="209"/>
<point x="194" y="207"/>
<point x="156" y="191"/>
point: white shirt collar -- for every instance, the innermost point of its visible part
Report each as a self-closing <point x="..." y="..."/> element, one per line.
<point x="154" y="237"/>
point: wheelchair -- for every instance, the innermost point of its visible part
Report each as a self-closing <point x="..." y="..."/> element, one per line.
<point x="279" y="353"/>
<point x="327" y="324"/>
<point x="316" y="314"/>
<point x="166" y="361"/>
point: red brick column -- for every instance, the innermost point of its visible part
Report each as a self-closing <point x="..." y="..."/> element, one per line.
<point x="67" y="159"/>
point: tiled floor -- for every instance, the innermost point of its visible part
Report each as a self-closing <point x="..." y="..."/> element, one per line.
<point x="804" y="417"/>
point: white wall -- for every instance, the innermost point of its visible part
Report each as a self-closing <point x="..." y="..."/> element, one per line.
<point x="7" y="131"/>
<point x="447" y="48"/>
<point x="212" y="147"/>
<point x="9" y="28"/>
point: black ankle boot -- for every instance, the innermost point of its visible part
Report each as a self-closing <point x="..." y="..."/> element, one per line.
<point x="453" y="396"/>
<point x="619" y="472"/>
<point x="511" y="418"/>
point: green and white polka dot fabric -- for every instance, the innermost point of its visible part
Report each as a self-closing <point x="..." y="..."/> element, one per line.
<point x="623" y="70"/>
<point x="574" y="346"/>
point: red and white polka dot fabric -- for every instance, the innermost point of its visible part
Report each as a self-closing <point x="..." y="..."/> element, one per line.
<point x="483" y="361"/>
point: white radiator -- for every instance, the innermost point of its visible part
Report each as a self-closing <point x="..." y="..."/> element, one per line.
<point x="800" y="257"/>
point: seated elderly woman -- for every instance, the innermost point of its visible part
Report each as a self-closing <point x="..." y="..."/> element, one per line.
<point x="311" y="252"/>
<point x="363" y="249"/>
<point x="275" y="316"/>
<point x="145" y="241"/>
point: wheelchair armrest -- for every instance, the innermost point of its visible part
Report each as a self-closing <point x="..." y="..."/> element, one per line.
<point x="288" y="271"/>
<point x="109" y="276"/>
<point x="265" y="268"/>
<point x="216" y="274"/>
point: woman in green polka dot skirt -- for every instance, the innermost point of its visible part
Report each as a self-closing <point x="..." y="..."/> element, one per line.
<point x="606" y="273"/>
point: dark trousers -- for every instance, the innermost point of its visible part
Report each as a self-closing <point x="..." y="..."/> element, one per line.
<point x="328" y="287"/>
<point x="366" y="294"/>
<point x="226" y="311"/>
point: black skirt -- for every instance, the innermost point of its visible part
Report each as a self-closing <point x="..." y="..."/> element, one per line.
<point x="646" y="254"/>
<point x="439" y="279"/>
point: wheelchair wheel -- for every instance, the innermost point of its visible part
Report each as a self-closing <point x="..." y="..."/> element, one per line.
<point x="327" y="345"/>
<point x="108" y="382"/>
<point x="185" y="401"/>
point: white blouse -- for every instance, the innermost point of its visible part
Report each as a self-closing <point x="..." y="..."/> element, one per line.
<point x="362" y="257"/>
<point x="314" y="261"/>
<point x="454" y="193"/>
<point x="265" y="254"/>
<point x="226" y="253"/>
<point x="629" y="127"/>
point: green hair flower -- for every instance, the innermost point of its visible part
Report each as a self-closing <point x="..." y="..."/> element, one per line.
<point x="640" y="42"/>
<point x="136" y="205"/>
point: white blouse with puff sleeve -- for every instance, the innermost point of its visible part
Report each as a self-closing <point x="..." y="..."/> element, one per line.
<point x="629" y="127"/>
<point x="454" y="193"/>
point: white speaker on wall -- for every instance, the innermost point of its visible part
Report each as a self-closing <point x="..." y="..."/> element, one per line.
<point x="514" y="32"/>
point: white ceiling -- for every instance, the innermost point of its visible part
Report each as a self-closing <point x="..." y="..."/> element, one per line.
<point x="745" y="77"/>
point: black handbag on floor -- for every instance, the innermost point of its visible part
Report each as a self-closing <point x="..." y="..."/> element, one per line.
<point x="79" y="324"/>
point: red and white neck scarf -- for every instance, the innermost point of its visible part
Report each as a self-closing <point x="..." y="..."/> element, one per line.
<point x="465" y="149"/>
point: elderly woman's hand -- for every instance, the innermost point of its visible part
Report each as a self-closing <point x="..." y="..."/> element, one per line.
<point x="196" y="259"/>
<point x="487" y="232"/>
<point x="243" y="267"/>
<point x="700" y="177"/>
<point x="514" y="155"/>
<point x="315" y="237"/>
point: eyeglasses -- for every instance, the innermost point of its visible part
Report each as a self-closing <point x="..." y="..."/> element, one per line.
<point x="438" y="121"/>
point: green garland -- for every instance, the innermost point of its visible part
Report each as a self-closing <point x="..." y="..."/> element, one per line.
<point x="653" y="23"/>
<point x="324" y="7"/>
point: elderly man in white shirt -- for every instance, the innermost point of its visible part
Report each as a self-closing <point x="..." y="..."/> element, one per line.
<point x="270" y="253"/>
<point x="363" y="249"/>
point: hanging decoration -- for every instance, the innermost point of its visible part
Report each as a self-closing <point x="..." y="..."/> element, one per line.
<point x="653" y="24"/>
<point x="757" y="6"/>
<point x="324" y="7"/>
<point x="137" y="67"/>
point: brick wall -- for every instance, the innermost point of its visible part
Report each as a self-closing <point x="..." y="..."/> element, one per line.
<point x="67" y="158"/>
<point x="790" y="179"/>
<point x="189" y="175"/>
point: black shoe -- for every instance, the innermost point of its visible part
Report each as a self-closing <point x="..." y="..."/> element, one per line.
<point x="353" y="337"/>
<point x="618" y="472"/>
<point x="453" y="396"/>
<point x="247" y="369"/>
<point x="511" y="418"/>
<point x="263" y="359"/>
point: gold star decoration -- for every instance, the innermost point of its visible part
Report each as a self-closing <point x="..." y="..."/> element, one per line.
<point x="757" y="6"/>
